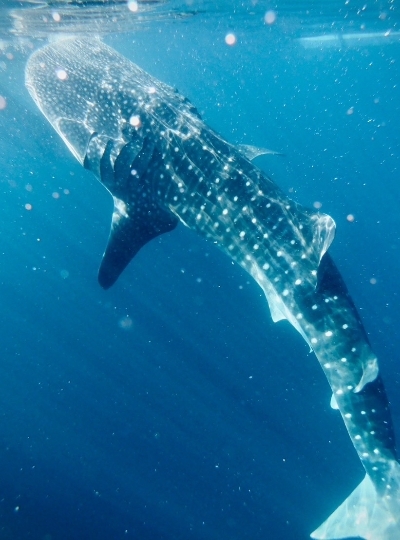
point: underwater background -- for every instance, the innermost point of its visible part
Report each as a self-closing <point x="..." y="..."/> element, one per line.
<point x="171" y="407"/>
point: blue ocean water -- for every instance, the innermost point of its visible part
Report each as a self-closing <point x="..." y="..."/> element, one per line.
<point x="171" y="406"/>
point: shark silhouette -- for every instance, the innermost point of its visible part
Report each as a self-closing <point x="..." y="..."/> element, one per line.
<point x="162" y="164"/>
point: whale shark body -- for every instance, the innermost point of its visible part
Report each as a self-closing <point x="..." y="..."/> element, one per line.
<point x="163" y="165"/>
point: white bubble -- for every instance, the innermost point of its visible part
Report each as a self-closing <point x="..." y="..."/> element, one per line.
<point x="125" y="323"/>
<point x="230" y="39"/>
<point x="270" y="17"/>
<point x="135" y="121"/>
<point x="133" y="5"/>
<point x="62" y="74"/>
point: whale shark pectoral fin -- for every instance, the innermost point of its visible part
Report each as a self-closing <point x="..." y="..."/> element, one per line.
<point x="252" y="152"/>
<point x="129" y="233"/>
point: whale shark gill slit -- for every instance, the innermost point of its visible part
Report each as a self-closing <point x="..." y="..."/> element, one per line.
<point x="162" y="164"/>
<point x="140" y="219"/>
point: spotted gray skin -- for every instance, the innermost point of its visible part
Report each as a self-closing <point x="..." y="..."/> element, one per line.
<point x="162" y="164"/>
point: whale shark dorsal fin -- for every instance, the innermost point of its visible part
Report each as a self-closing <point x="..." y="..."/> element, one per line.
<point x="251" y="152"/>
<point x="130" y="231"/>
<point x="323" y="234"/>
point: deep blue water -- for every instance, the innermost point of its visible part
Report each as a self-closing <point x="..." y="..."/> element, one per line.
<point x="171" y="407"/>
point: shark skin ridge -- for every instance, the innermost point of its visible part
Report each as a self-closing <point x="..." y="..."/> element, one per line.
<point x="162" y="164"/>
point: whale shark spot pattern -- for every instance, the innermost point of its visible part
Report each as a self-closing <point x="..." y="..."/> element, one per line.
<point x="162" y="164"/>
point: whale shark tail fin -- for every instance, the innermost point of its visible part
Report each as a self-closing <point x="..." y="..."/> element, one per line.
<point x="366" y="514"/>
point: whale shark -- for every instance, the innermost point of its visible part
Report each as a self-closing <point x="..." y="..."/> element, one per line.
<point x="150" y="148"/>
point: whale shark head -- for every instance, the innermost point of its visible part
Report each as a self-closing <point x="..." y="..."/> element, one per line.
<point x="102" y="106"/>
<point x="84" y="95"/>
<point x="92" y="95"/>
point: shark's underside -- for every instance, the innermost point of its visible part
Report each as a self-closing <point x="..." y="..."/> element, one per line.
<point x="149" y="147"/>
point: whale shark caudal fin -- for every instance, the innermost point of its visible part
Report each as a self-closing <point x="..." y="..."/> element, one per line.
<point x="365" y="513"/>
